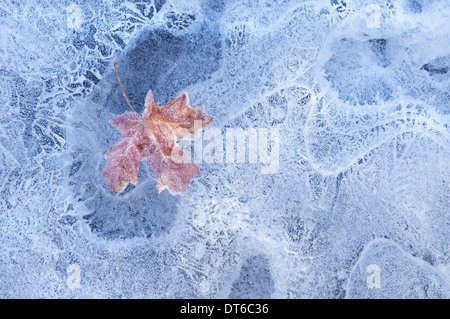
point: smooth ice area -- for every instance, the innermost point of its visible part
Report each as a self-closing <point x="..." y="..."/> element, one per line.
<point x="359" y="206"/>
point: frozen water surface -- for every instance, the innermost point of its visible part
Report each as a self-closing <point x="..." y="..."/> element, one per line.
<point x="359" y="206"/>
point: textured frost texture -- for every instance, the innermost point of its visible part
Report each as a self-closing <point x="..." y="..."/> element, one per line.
<point x="358" y="208"/>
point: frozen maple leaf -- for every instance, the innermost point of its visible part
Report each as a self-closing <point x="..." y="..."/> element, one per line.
<point x="153" y="137"/>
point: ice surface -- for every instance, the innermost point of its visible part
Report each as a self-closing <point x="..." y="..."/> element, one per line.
<point x="359" y="91"/>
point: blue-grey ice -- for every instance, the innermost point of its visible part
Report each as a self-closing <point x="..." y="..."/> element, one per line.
<point x="359" y="206"/>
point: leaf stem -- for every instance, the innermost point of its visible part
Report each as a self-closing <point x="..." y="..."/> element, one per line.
<point x="117" y="73"/>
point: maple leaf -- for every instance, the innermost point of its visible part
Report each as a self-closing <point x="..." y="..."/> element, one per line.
<point x="154" y="137"/>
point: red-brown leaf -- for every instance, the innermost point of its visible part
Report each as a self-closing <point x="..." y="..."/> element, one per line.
<point x="154" y="137"/>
